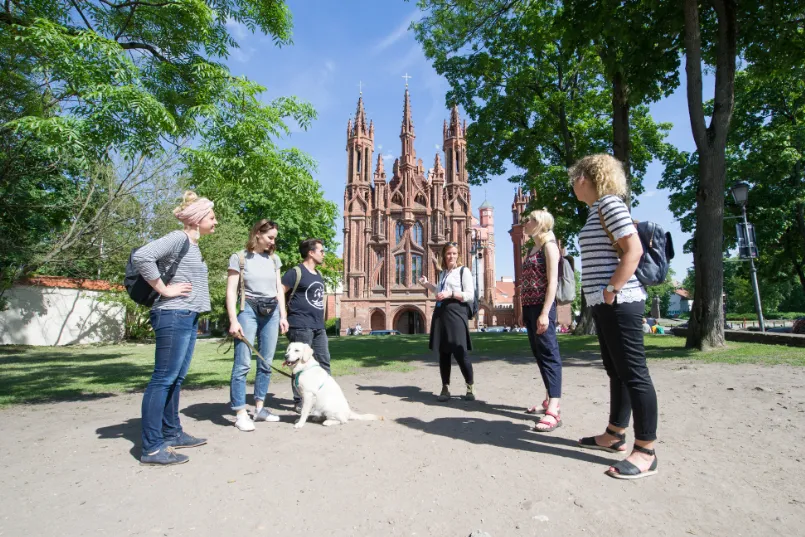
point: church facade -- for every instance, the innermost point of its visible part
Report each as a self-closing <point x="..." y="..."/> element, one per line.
<point x="395" y="226"/>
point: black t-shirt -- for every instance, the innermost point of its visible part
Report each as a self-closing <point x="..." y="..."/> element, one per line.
<point x="306" y="309"/>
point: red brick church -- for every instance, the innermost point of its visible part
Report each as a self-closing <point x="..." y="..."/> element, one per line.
<point x="395" y="227"/>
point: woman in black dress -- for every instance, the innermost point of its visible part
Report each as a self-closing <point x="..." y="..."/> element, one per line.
<point x="449" y="329"/>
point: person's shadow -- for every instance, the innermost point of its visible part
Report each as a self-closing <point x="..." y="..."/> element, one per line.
<point x="476" y="430"/>
<point x="128" y="430"/>
<point x="221" y="413"/>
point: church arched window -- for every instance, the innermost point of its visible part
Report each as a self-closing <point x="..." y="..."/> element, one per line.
<point x="399" y="229"/>
<point x="418" y="233"/>
<point x="416" y="268"/>
<point x="399" y="269"/>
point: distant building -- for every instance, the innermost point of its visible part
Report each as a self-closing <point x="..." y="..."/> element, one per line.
<point x="680" y="303"/>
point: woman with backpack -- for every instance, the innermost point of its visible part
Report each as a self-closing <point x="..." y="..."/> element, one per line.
<point x="254" y="281"/>
<point x="449" y="328"/>
<point x="174" y="318"/>
<point x="538" y="297"/>
<point x="618" y="302"/>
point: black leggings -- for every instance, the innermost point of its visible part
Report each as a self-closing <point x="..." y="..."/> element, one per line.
<point x="464" y="364"/>
<point x="620" y="335"/>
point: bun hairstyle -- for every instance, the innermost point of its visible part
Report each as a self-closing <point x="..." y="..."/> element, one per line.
<point x="188" y="198"/>
<point x="193" y="209"/>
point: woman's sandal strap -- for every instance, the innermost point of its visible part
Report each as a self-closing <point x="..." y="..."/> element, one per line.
<point x="621" y="436"/>
<point x="641" y="449"/>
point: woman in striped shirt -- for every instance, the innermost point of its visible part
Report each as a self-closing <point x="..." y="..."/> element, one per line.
<point x="174" y="317"/>
<point x="618" y="300"/>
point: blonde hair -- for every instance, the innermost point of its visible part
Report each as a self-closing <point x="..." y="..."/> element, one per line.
<point x="442" y="264"/>
<point x="543" y="219"/>
<point x="188" y="198"/>
<point x="605" y="172"/>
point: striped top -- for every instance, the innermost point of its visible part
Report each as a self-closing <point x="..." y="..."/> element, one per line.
<point x="599" y="259"/>
<point x="154" y="259"/>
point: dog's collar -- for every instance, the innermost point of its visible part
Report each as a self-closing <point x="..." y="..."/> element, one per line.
<point x="297" y="375"/>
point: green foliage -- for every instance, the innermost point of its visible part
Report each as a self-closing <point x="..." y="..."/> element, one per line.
<point x="330" y="326"/>
<point x="539" y="97"/>
<point x="664" y="291"/>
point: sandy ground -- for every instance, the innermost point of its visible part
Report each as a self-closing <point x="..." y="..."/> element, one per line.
<point x="730" y="460"/>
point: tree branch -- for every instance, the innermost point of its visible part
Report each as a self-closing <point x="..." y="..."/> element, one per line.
<point x="125" y="24"/>
<point x="693" y="71"/>
<point x="77" y="8"/>
<point x="133" y="45"/>
<point x="137" y="3"/>
<point x="724" y="97"/>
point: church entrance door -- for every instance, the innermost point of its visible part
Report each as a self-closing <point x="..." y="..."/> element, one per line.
<point x="410" y="322"/>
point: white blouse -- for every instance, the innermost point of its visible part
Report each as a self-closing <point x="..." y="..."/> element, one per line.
<point x="450" y="282"/>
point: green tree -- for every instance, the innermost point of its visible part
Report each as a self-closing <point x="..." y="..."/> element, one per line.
<point x="94" y="84"/>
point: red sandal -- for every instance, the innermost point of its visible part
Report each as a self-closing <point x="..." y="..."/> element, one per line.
<point x="534" y="409"/>
<point x="544" y="421"/>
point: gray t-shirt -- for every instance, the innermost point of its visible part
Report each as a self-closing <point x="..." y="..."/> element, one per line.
<point x="154" y="259"/>
<point x="259" y="273"/>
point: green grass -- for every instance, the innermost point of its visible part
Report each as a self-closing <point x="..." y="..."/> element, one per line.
<point x="45" y="374"/>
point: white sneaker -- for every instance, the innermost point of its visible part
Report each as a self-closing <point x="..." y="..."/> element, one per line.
<point x="244" y="423"/>
<point x="265" y="415"/>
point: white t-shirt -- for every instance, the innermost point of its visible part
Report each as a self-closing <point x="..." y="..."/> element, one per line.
<point x="450" y="282"/>
<point x="599" y="258"/>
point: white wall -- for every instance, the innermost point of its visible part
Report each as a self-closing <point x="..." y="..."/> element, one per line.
<point x="55" y="316"/>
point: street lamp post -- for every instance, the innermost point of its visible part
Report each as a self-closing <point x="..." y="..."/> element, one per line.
<point x="740" y="193"/>
<point x="476" y="254"/>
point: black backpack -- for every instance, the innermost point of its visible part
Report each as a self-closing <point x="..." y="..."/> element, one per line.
<point x="658" y="251"/>
<point x="138" y="289"/>
<point x="472" y="307"/>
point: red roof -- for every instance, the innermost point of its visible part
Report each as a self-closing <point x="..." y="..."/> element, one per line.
<point x="70" y="283"/>
<point x="504" y="292"/>
<point x="683" y="293"/>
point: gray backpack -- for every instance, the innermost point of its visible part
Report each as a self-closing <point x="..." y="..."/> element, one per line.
<point x="566" y="288"/>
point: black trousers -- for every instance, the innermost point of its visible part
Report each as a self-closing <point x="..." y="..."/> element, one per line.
<point x="620" y="335"/>
<point x="464" y="364"/>
<point x="545" y="348"/>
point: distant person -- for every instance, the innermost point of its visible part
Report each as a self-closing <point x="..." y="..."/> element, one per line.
<point x="261" y="318"/>
<point x="305" y="289"/>
<point x="538" y="297"/>
<point x="646" y="326"/>
<point x="449" y="329"/>
<point x="618" y="301"/>
<point x="174" y="318"/>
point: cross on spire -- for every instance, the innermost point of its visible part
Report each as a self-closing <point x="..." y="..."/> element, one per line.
<point x="360" y="87"/>
<point x="406" y="77"/>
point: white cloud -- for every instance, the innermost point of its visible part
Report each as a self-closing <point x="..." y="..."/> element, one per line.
<point x="388" y="156"/>
<point x="240" y="31"/>
<point x="242" y="55"/>
<point x="438" y="147"/>
<point x="649" y="194"/>
<point x="398" y="33"/>
<point x="329" y="66"/>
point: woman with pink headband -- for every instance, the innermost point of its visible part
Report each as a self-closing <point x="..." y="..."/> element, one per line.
<point x="174" y="318"/>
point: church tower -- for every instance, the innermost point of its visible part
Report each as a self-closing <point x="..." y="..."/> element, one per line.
<point x="457" y="189"/>
<point x="357" y="199"/>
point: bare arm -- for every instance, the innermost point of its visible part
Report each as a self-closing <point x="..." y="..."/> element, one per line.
<point x="232" y="280"/>
<point x="552" y="266"/>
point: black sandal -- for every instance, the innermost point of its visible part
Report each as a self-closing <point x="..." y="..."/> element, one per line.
<point x="588" y="442"/>
<point x="627" y="470"/>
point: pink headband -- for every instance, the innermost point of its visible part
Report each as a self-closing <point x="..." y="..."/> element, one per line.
<point x="194" y="213"/>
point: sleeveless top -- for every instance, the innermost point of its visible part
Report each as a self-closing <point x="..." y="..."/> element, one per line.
<point x="535" y="279"/>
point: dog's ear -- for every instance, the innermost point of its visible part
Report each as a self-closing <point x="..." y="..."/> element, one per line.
<point x="307" y="353"/>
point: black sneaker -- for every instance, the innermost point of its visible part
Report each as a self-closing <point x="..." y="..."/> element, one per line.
<point x="184" y="440"/>
<point x="164" y="457"/>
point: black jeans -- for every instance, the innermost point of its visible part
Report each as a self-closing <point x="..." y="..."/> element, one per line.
<point x="545" y="348"/>
<point x="620" y="335"/>
<point x="464" y="364"/>
<point x="317" y="339"/>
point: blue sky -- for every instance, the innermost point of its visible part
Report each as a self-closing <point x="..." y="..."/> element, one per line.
<point x="339" y="45"/>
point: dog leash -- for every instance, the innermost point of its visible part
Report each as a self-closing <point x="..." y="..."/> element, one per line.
<point x="260" y="357"/>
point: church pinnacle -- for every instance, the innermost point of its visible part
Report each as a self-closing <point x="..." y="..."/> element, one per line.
<point x="407" y="123"/>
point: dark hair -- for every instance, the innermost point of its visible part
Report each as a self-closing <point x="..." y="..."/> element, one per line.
<point x="307" y="246"/>
<point x="259" y="227"/>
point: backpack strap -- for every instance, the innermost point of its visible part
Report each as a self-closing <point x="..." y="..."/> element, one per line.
<point x="612" y="240"/>
<point x="171" y="272"/>
<point x="298" y="273"/>
<point x="461" y="277"/>
<point x="242" y="282"/>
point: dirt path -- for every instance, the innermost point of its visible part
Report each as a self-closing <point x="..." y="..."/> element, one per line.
<point x="731" y="462"/>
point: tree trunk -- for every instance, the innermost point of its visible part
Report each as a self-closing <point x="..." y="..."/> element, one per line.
<point x="586" y="326"/>
<point x="706" y="316"/>
<point x="621" y="148"/>
<point x="706" y="319"/>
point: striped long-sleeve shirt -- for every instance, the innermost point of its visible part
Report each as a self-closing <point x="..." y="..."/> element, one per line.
<point x="599" y="258"/>
<point x="154" y="258"/>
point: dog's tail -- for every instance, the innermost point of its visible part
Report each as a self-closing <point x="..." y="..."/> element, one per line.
<point x="364" y="417"/>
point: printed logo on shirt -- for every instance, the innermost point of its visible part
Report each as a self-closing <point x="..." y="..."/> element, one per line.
<point x="315" y="295"/>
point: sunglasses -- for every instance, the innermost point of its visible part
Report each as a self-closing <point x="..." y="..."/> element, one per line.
<point x="452" y="244"/>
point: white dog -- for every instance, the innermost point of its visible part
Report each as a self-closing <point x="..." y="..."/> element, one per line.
<point x="321" y="394"/>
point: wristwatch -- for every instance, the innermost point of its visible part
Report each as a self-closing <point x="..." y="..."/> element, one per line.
<point x="611" y="289"/>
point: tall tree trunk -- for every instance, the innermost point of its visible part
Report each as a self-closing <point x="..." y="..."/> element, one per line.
<point x="621" y="148"/>
<point x="706" y="320"/>
<point x="585" y="326"/>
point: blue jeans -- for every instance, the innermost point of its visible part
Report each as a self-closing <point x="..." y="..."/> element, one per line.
<point x="175" y="332"/>
<point x="264" y="329"/>
<point x="545" y="348"/>
<point x="317" y="339"/>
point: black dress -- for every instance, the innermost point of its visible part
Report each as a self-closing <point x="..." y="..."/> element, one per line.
<point x="449" y="328"/>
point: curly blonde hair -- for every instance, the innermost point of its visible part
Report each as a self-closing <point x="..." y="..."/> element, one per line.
<point x="605" y="172"/>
